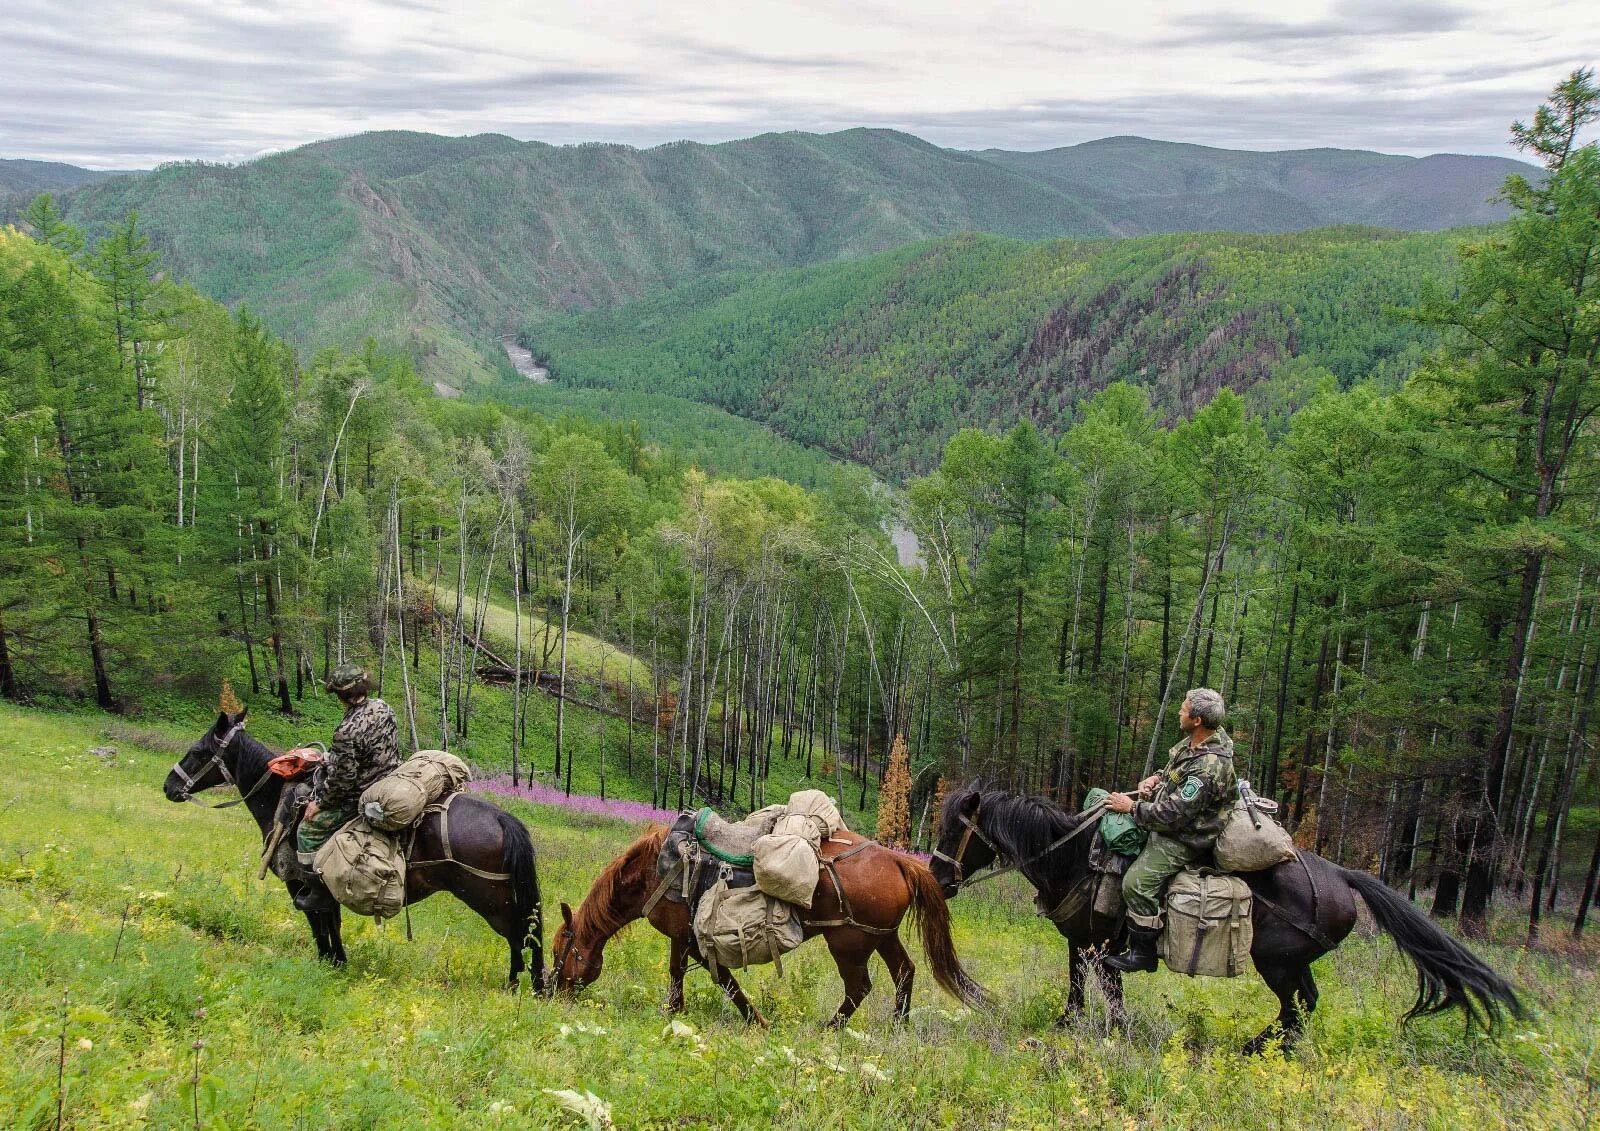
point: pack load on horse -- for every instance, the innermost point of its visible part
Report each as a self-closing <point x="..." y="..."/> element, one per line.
<point x="467" y="846"/>
<point x="744" y="882"/>
<point x="364" y="862"/>
<point x="1208" y="929"/>
<point x="1298" y="907"/>
<point x="860" y="892"/>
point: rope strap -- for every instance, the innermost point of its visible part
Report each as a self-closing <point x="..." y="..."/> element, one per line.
<point x="444" y="838"/>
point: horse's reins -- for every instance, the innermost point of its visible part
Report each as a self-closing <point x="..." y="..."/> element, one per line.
<point x="1087" y="821"/>
<point x="218" y="748"/>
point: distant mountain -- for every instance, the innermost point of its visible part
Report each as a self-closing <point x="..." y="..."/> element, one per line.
<point x="1142" y="186"/>
<point x="882" y="359"/>
<point x="441" y="245"/>
<point x="20" y="177"/>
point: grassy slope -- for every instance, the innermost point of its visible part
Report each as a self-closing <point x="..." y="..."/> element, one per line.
<point x="421" y="1035"/>
<point x="585" y="653"/>
<point x="882" y="359"/>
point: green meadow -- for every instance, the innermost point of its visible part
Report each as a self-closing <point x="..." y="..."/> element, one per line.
<point x="149" y="979"/>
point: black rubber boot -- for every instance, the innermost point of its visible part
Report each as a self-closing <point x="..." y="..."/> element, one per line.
<point x="316" y="898"/>
<point x="1140" y="957"/>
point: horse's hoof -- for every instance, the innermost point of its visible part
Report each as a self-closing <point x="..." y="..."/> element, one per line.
<point x="1259" y="1043"/>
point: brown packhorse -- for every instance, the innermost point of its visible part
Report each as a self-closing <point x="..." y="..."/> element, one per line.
<point x="880" y="886"/>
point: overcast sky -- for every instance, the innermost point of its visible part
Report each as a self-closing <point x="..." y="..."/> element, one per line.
<point x="127" y="85"/>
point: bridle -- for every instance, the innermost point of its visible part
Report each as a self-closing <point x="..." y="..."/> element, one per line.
<point x="1002" y="862"/>
<point x="962" y="879"/>
<point x="219" y="746"/>
<point x="569" y="951"/>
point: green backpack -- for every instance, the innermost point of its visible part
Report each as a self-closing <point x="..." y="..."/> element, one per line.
<point x="1117" y="830"/>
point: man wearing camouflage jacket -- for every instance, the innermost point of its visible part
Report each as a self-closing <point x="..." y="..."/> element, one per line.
<point x="366" y="746"/>
<point x="1188" y="804"/>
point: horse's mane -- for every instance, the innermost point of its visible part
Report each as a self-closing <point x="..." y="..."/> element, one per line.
<point x="602" y="914"/>
<point x="1024" y="825"/>
<point x="253" y="757"/>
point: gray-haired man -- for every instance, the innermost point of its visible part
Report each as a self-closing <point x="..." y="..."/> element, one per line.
<point x="1188" y="803"/>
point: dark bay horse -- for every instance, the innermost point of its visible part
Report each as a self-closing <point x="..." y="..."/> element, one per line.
<point x="880" y="886"/>
<point x="1302" y="910"/>
<point x="488" y="864"/>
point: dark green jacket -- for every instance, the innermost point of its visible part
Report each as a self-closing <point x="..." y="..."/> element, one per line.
<point x="366" y="746"/>
<point x="1192" y="801"/>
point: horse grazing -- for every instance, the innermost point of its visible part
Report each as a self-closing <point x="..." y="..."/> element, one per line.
<point x="488" y="862"/>
<point x="1302" y="909"/>
<point x="880" y="886"/>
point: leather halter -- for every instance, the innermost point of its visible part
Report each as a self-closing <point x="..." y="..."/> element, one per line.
<point x="218" y="748"/>
<point x="962" y="879"/>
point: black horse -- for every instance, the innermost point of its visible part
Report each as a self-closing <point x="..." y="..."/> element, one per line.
<point x="1302" y="909"/>
<point x="488" y="862"/>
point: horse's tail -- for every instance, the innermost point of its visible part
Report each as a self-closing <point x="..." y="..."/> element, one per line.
<point x="1448" y="974"/>
<point x="517" y="858"/>
<point x="933" y="920"/>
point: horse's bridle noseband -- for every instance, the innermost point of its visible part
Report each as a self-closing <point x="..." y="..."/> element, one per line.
<point x="962" y="879"/>
<point x="218" y="748"/>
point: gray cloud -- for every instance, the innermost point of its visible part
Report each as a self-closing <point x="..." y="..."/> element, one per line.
<point x="122" y="86"/>
<point x="1348" y="19"/>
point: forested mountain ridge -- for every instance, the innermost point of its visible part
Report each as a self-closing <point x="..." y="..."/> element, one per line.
<point x="439" y="245"/>
<point x="22" y="177"/>
<point x="883" y="359"/>
<point x="1142" y="186"/>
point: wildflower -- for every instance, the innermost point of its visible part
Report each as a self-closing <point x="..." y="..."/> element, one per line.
<point x="872" y="1071"/>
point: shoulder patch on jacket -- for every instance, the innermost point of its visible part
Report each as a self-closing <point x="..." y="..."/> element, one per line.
<point x="1191" y="789"/>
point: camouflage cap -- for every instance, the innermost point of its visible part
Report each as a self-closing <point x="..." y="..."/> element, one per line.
<point x="348" y="679"/>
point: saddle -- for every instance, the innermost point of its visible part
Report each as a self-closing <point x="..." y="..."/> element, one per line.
<point x="695" y="836"/>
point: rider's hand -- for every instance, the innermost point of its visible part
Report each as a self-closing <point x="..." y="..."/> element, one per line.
<point x="1149" y="783"/>
<point x="311" y="811"/>
<point x="1119" y="803"/>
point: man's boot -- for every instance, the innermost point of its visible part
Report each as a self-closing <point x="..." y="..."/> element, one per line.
<point x="315" y="897"/>
<point x="1140" y="957"/>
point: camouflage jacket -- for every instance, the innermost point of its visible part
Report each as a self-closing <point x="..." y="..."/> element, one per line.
<point x="366" y="746"/>
<point x="1192" y="801"/>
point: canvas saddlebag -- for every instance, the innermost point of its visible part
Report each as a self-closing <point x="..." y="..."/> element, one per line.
<point x="1251" y="841"/>
<point x="739" y="927"/>
<point x="1208" y="932"/>
<point x="787" y="860"/>
<point x="364" y="869"/>
<point x="396" y="800"/>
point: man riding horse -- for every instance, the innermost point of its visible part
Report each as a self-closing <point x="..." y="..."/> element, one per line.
<point x="366" y="746"/>
<point x="1187" y="805"/>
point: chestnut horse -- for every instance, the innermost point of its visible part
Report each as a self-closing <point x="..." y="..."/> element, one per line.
<point x="880" y="886"/>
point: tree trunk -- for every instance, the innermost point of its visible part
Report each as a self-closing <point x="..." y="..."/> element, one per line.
<point x="1484" y="861"/>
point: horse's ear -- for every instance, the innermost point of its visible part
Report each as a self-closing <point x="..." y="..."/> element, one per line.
<point x="238" y="720"/>
<point x="566" y="915"/>
<point x="222" y="725"/>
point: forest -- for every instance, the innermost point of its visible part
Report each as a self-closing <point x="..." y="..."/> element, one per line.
<point x="1390" y="573"/>
<point x="882" y="360"/>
